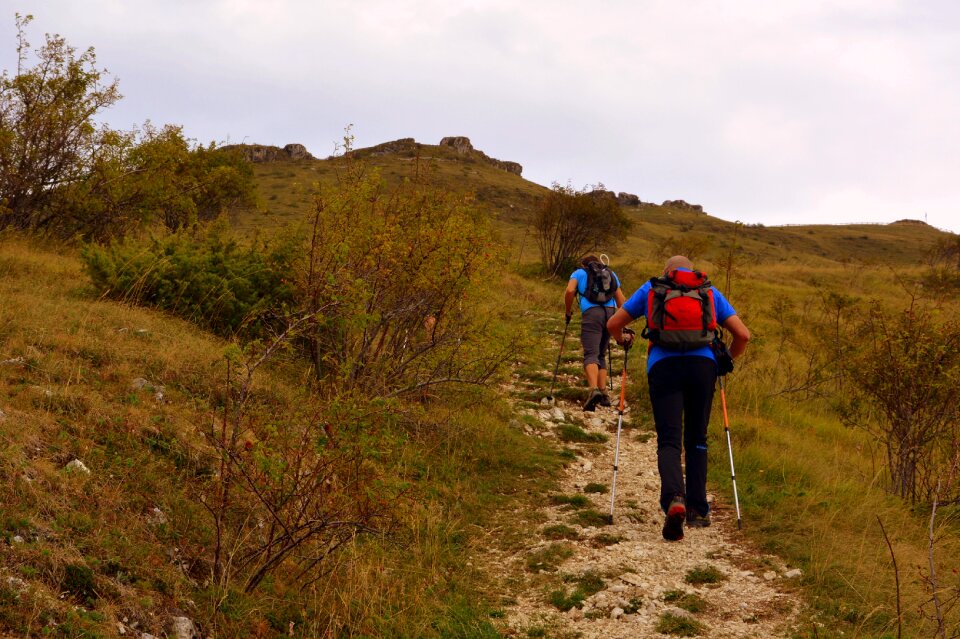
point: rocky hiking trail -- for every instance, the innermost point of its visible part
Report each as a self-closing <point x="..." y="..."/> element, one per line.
<point x="580" y="577"/>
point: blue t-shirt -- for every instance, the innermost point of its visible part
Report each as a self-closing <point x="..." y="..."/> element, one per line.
<point x="581" y="276"/>
<point x="636" y="307"/>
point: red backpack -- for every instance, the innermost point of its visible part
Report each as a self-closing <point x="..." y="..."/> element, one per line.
<point x="681" y="313"/>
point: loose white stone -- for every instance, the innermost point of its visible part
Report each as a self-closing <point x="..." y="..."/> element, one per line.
<point x="557" y="414"/>
<point x="183" y="628"/>
<point x="792" y="574"/>
<point x="616" y="613"/>
<point x="78" y="466"/>
<point x="770" y="575"/>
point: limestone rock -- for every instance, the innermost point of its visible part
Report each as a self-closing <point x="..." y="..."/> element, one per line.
<point x="681" y="204"/>
<point x="183" y="628"/>
<point x="627" y="199"/>
<point x="793" y="574"/>
<point x="78" y="466"/>
<point x="259" y="153"/>
<point x="297" y="152"/>
<point x="461" y="144"/>
<point x="557" y="414"/>
<point x="770" y="575"/>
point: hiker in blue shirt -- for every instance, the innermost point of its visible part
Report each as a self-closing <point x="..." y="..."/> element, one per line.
<point x="682" y="373"/>
<point x="594" y="281"/>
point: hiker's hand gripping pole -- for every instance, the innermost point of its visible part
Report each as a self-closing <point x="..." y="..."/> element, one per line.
<point x="733" y="473"/>
<point x="616" y="455"/>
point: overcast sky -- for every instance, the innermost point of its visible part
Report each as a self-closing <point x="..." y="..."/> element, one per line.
<point x="771" y="111"/>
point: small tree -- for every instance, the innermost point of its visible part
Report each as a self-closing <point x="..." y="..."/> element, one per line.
<point x="569" y="223"/>
<point x="62" y="173"/>
<point x="47" y="130"/>
<point x="906" y="393"/>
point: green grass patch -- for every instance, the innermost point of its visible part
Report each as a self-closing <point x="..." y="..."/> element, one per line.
<point x="603" y="539"/>
<point x="689" y="601"/>
<point x="704" y="574"/>
<point x="594" y="487"/>
<point x="572" y="433"/>
<point x="574" y="501"/>
<point x="590" y="519"/>
<point x="587" y="584"/>
<point x="560" y="531"/>
<point x="547" y="559"/>
<point x="671" y="624"/>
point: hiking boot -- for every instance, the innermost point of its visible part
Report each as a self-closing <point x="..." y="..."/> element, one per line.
<point x="673" y="526"/>
<point x="605" y="401"/>
<point x="696" y="520"/>
<point x="591" y="404"/>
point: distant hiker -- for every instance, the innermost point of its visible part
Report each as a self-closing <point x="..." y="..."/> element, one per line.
<point x="600" y="295"/>
<point x="683" y="312"/>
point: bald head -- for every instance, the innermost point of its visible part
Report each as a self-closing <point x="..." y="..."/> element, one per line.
<point x="675" y="262"/>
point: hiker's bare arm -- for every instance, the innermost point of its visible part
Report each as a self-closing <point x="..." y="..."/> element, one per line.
<point x="569" y="294"/>
<point x="617" y="323"/>
<point x="741" y="335"/>
<point x="618" y="295"/>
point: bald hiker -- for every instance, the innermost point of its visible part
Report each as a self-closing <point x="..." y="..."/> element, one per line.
<point x="683" y="312"/>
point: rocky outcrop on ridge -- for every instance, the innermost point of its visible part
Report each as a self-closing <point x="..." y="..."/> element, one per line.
<point x="681" y="204"/>
<point x="258" y="153"/>
<point x="628" y="199"/>
<point x="461" y="144"/>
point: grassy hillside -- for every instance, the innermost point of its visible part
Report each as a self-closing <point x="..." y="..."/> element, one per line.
<point x="135" y="395"/>
<point x="122" y="544"/>
<point x="287" y="196"/>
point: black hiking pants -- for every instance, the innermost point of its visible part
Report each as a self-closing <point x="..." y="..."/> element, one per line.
<point x="681" y="391"/>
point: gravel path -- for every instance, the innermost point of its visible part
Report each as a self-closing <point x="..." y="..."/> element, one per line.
<point x="646" y="581"/>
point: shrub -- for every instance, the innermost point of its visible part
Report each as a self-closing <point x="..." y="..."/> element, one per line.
<point x="207" y="278"/>
<point x="396" y="284"/>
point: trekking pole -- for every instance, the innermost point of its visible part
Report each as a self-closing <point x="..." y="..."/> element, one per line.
<point x="609" y="365"/>
<point x="616" y="455"/>
<point x="559" y="355"/>
<point x="733" y="473"/>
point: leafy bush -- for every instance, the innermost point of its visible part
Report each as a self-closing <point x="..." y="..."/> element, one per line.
<point x="397" y="283"/>
<point x="207" y="278"/>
